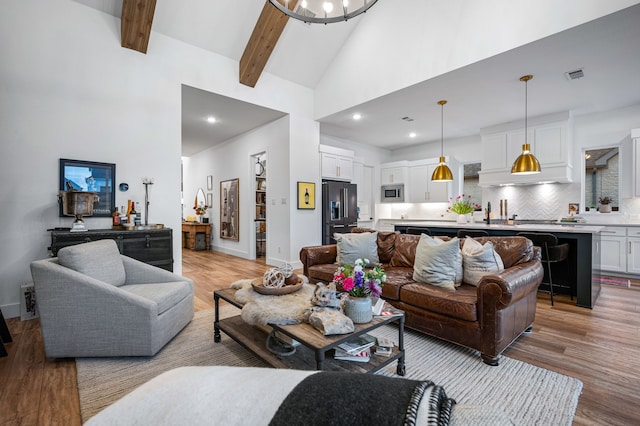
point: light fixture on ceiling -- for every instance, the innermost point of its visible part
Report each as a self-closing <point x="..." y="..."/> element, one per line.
<point x="211" y="119"/>
<point x="357" y="116"/>
<point x="442" y="172"/>
<point x="412" y="135"/>
<point x="322" y="11"/>
<point x="526" y="163"/>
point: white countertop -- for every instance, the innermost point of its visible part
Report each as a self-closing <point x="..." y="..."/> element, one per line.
<point x="560" y="227"/>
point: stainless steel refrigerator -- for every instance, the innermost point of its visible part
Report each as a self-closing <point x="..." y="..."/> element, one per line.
<point x="339" y="209"/>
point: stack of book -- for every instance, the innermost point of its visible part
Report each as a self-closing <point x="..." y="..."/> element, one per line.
<point x="384" y="346"/>
<point x="358" y="349"/>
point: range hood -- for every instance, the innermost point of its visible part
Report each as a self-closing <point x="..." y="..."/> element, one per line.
<point x="548" y="174"/>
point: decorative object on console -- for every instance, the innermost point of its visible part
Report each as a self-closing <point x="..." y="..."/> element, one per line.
<point x="146" y="181"/>
<point x="89" y="176"/>
<point x="442" y="173"/>
<point x="322" y="11"/>
<point x="78" y="204"/>
<point x="526" y="163"/>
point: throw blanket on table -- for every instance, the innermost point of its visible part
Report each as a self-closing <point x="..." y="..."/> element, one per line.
<point x="355" y="398"/>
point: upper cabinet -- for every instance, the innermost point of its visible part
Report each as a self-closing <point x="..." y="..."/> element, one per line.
<point x="421" y="188"/>
<point x="550" y="140"/>
<point x="336" y="163"/>
<point x="394" y="173"/>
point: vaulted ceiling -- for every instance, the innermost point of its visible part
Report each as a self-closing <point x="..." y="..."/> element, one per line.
<point x="480" y="95"/>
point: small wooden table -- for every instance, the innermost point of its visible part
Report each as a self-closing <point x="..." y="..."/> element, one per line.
<point x="189" y="231"/>
<point x="311" y="354"/>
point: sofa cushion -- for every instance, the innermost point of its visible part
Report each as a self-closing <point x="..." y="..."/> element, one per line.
<point x="386" y="245"/>
<point x="513" y="250"/>
<point x="97" y="259"/>
<point x="438" y="299"/>
<point x="165" y="295"/>
<point x="396" y="278"/>
<point x="479" y="260"/>
<point x="357" y="246"/>
<point x="438" y="262"/>
<point x="322" y="272"/>
<point x="404" y="253"/>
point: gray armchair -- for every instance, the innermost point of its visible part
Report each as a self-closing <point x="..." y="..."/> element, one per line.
<point x="95" y="302"/>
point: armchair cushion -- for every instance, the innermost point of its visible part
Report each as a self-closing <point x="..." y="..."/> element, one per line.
<point x="357" y="246"/>
<point x="165" y="295"/>
<point x="100" y="260"/>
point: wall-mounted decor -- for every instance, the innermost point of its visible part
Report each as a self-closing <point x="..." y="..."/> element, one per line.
<point x="230" y="209"/>
<point x="306" y="195"/>
<point x="89" y="176"/>
<point x="209" y="199"/>
<point x="209" y="183"/>
<point x="574" y="208"/>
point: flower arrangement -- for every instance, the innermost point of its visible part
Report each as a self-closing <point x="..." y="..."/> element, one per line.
<point x="201" y="209"/>
<point x="359" y="282"/>
<point x="605" y="200"/>
<point x="462" y="205"/>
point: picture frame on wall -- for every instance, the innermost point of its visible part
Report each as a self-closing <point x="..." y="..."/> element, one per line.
<point x="230" y="209"/>
<point x="574" y="208"/>
<point x="90" y="176"/>
<point x="209" y="199"/>
<point x="209" y="183"/>
<point x="306" y="196"/>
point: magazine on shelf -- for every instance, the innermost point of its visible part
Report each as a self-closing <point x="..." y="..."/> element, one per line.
<point x="362" y="356"/>
<point x="358" y="344"/>
<point x="384" y="346"/>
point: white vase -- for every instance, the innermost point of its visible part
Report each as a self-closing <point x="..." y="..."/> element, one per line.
<point x="462" y="218"/>
<point x="358" y="309"/>
<point x="605" y="208"/>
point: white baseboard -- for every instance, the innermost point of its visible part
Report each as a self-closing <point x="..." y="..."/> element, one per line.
<point x="11" y="311"/>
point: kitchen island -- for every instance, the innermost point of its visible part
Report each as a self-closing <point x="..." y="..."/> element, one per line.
<point x="584" y="251"/>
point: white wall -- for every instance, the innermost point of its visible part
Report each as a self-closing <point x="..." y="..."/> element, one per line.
<point x="69" y="90"/>
<point x="396" y="47"/>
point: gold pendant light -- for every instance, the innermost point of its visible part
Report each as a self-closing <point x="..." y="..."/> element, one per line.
<point x="442" y="173"/>
<point x="526" y="163"/>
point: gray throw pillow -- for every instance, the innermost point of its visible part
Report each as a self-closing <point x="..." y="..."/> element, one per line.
<point x="357" y="246"/>
<point x="438" y="262"/>
<point x="98" y="259"/>
<point x="479" y="260"/>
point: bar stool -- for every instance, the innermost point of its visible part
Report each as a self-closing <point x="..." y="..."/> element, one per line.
<point x="472" y="233"/>
<point x="418" y="231"/>
<point x="552" y="252"/>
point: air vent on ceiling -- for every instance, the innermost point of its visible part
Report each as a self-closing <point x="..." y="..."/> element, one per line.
<point x="407" y="118"/>
<point x="575" y="74"/>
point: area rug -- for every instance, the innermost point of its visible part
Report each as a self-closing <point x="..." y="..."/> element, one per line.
<point x="525" y="393"/>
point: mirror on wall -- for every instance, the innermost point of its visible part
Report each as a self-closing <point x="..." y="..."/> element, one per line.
<point x="602" y="179"/>
<point x="201" y="199"/>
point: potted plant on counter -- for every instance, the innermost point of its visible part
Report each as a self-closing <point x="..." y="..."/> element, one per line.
<point x="463" y="206"/>
<point x="605" y="204"/>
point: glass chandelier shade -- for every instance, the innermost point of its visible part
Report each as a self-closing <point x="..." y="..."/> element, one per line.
<point x="526" y="163"/>
<point x="322" y="11"/>
<point x="442" y="172"/>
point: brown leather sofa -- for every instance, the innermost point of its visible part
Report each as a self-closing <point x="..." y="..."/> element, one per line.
<point x="487" y="318"/>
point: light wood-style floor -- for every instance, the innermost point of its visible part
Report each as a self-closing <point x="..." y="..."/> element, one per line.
<point x="601" y="347"/>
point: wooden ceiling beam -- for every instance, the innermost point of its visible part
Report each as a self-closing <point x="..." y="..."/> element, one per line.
<point x="263" y="40"/>
<point x="135" y="24"/>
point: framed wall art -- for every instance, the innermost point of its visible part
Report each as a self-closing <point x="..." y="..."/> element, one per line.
<point x="306" y="195"/>
<point x="209" y="183"/>
<point x="230" y="209"/>
<point x="89" y="176"/>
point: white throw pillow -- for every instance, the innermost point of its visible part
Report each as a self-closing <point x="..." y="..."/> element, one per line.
<point x="438" y="262"/>
<point x="479" y="260"/>
<point x="357" y="246"/>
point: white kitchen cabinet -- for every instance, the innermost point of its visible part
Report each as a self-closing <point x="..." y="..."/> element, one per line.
<point x="336" y="163"/>
<point x="394" y="173"/>
<point x="550" y="140"/>
<point x="633" y="250"/>
<point x="636" y="158"/>
<point x="421" y="188"/>
<point x="358" y="177"/>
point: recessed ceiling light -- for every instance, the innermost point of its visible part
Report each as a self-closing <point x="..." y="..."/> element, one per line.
<point x="412" y="135"/>
<point x="357" y="116"/>
<point x="211" y="119"/>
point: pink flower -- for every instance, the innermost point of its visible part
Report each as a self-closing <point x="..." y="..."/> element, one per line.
<point x="347" y="284"/>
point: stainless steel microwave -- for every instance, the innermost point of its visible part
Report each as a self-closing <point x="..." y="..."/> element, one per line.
<point x="392" y="194"/>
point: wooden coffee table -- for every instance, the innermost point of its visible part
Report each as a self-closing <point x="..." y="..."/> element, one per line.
<point x="312" y="352"/>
